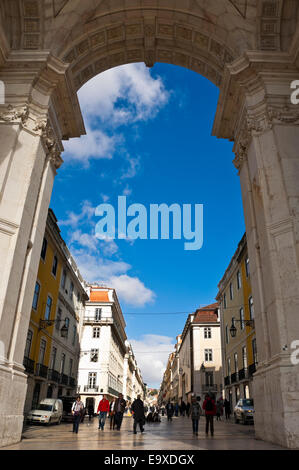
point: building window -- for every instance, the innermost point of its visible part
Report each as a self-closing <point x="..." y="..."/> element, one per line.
<point x="254" y="351"/>
<point x="48" y="308"/>
<point x="58" y="318"/>
<point x="209" y="379"/>
<point x="28" y="343"/>
<point x="251" y="308"/>
<point x="228" y="367"/>
<point x="42" y="351"/>
<point x="94" y="355"/>
<point x="63" y="279"/>
<point x="78" y="296"/>
<point x="54" y="265"/>
<point x="247" y="267"/>
<point x="224" y="300"/>
<point x="231" y="291"/>
<point x="242" y="324"/>
<point x="239" y="281"/>
<point x="36" y="296"/>
<point x="71" y="290"/>
<point x="62" y="363"/>
<point x="98" y="313"/>
<point x="244" y="357"/>
<point x="74" y="334"/>
<point x="226" y="334"/>
<point x="67" y="324"/>
<point x="92" y="379"/>
<point x="236" y="362"/>
<point x="71" y="367"/>
<point x="208" y="333"/>
<point x="208" y="355"/>
<point x="96" y="332"/>
<point x="44" y="249"/>
<point x="53" y="358"/>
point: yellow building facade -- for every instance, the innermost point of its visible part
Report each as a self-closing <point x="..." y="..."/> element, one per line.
<point x="52" y="348"/>
<point x="237" y="327"/>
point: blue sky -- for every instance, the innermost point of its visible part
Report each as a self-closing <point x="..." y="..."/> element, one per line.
<point x="149" y="138"/>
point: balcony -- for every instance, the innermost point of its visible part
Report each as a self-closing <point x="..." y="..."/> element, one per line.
<point x="41" y="371"/>
<point x="252" y="369"/>
<point x="243" y="374"/>
<point x="234" y="377"/>
<point x="209" y="388"/>
<point x="100" y="321"/>
<point x="72" y="382"/>
<point x="29" y="365"/>
<point x="53" y="375"/>
<point x="64" y="379"/>
<point x="227" y="380"/>
<point x="91" y="389"/>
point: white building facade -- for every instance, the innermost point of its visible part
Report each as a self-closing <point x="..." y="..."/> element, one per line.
<point x="107" y="364"/>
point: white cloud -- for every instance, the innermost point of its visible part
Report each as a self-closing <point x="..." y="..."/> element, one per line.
<point x="120" y="96"/>
<point x="152" y="353"/>
<point x="131" y="171"/>
<point x="95" y="144"/>
<point x="84" y="239"/>
<point x="132" y="290"/>
<point x="73" y="219"/>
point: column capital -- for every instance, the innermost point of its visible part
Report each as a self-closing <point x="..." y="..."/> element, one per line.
<point x="257" y="84"/>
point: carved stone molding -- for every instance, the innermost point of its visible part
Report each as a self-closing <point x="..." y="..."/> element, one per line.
<point x="39" y="126"/>
<point x="241" y="145"/>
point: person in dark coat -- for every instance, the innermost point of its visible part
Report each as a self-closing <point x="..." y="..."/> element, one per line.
<point x="120" y="406"/>
<point x="210" y="411"/>
<point x="137" y="409"/>
<point x="169" y="411"/>
<point x="227" y="409"/>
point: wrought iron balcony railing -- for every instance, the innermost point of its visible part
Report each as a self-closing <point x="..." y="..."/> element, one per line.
<point x="29" y="365"/>
<point x="41" y="371"/>
<point x="53" y="375"/>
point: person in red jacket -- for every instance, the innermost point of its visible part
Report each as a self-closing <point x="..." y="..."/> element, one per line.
<point x="210" y="411"/>
<point x="103" y="409"/>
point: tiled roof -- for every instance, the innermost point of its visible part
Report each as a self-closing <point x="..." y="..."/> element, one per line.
<point x="99" y="296"/>
<point x="206" y="314"/>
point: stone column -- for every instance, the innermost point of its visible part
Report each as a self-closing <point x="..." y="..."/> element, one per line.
<point x="29" y="157"/>
<point x="255" y="110"/>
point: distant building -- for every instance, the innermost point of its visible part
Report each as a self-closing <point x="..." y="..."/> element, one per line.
<point x="200" y="360"/>
<point x="107" y="363"/>
<point x="52" y="348"/>
<point x="237" y="308"/>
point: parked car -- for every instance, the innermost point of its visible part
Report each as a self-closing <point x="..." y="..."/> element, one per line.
<point x="48" y="411"/>
<point x="67" y="403"/>
<point x="244" y="411"/>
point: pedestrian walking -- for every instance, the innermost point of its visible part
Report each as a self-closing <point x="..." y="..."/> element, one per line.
<point x="196" y="413"/>
<point x="210" y="411"/>
<point x="120" y="406"/>
<point x="103" y="409"/>
<point x="169" y="411"/>
<point x="188" y="409"/>
<point x="227" y="409"/>
<point x="90" y="409"/>
<point x="183" y="408"/>
<point x="112" y="413"/>
<point x="137" y="409"/>
<point x="219" y="409"/>
<point x="176" y="409"/>
<point x="77" y="409"/>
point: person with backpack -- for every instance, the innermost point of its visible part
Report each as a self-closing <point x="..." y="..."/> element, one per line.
<point x="196" y="412"/>
<point x="77" y="409"/>
<point x="210" y="411"/>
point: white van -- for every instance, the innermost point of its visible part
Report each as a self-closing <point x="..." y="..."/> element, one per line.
<point x="48" y="411"/>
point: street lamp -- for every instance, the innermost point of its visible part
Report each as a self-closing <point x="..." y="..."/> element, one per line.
<point x="45" y="323"/>
<point x="233" y="329"/>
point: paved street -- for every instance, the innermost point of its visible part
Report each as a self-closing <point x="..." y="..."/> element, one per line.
<point x="163" y="436"/>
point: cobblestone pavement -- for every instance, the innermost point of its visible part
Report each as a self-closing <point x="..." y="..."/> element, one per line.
<point x="176" y="435"/>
